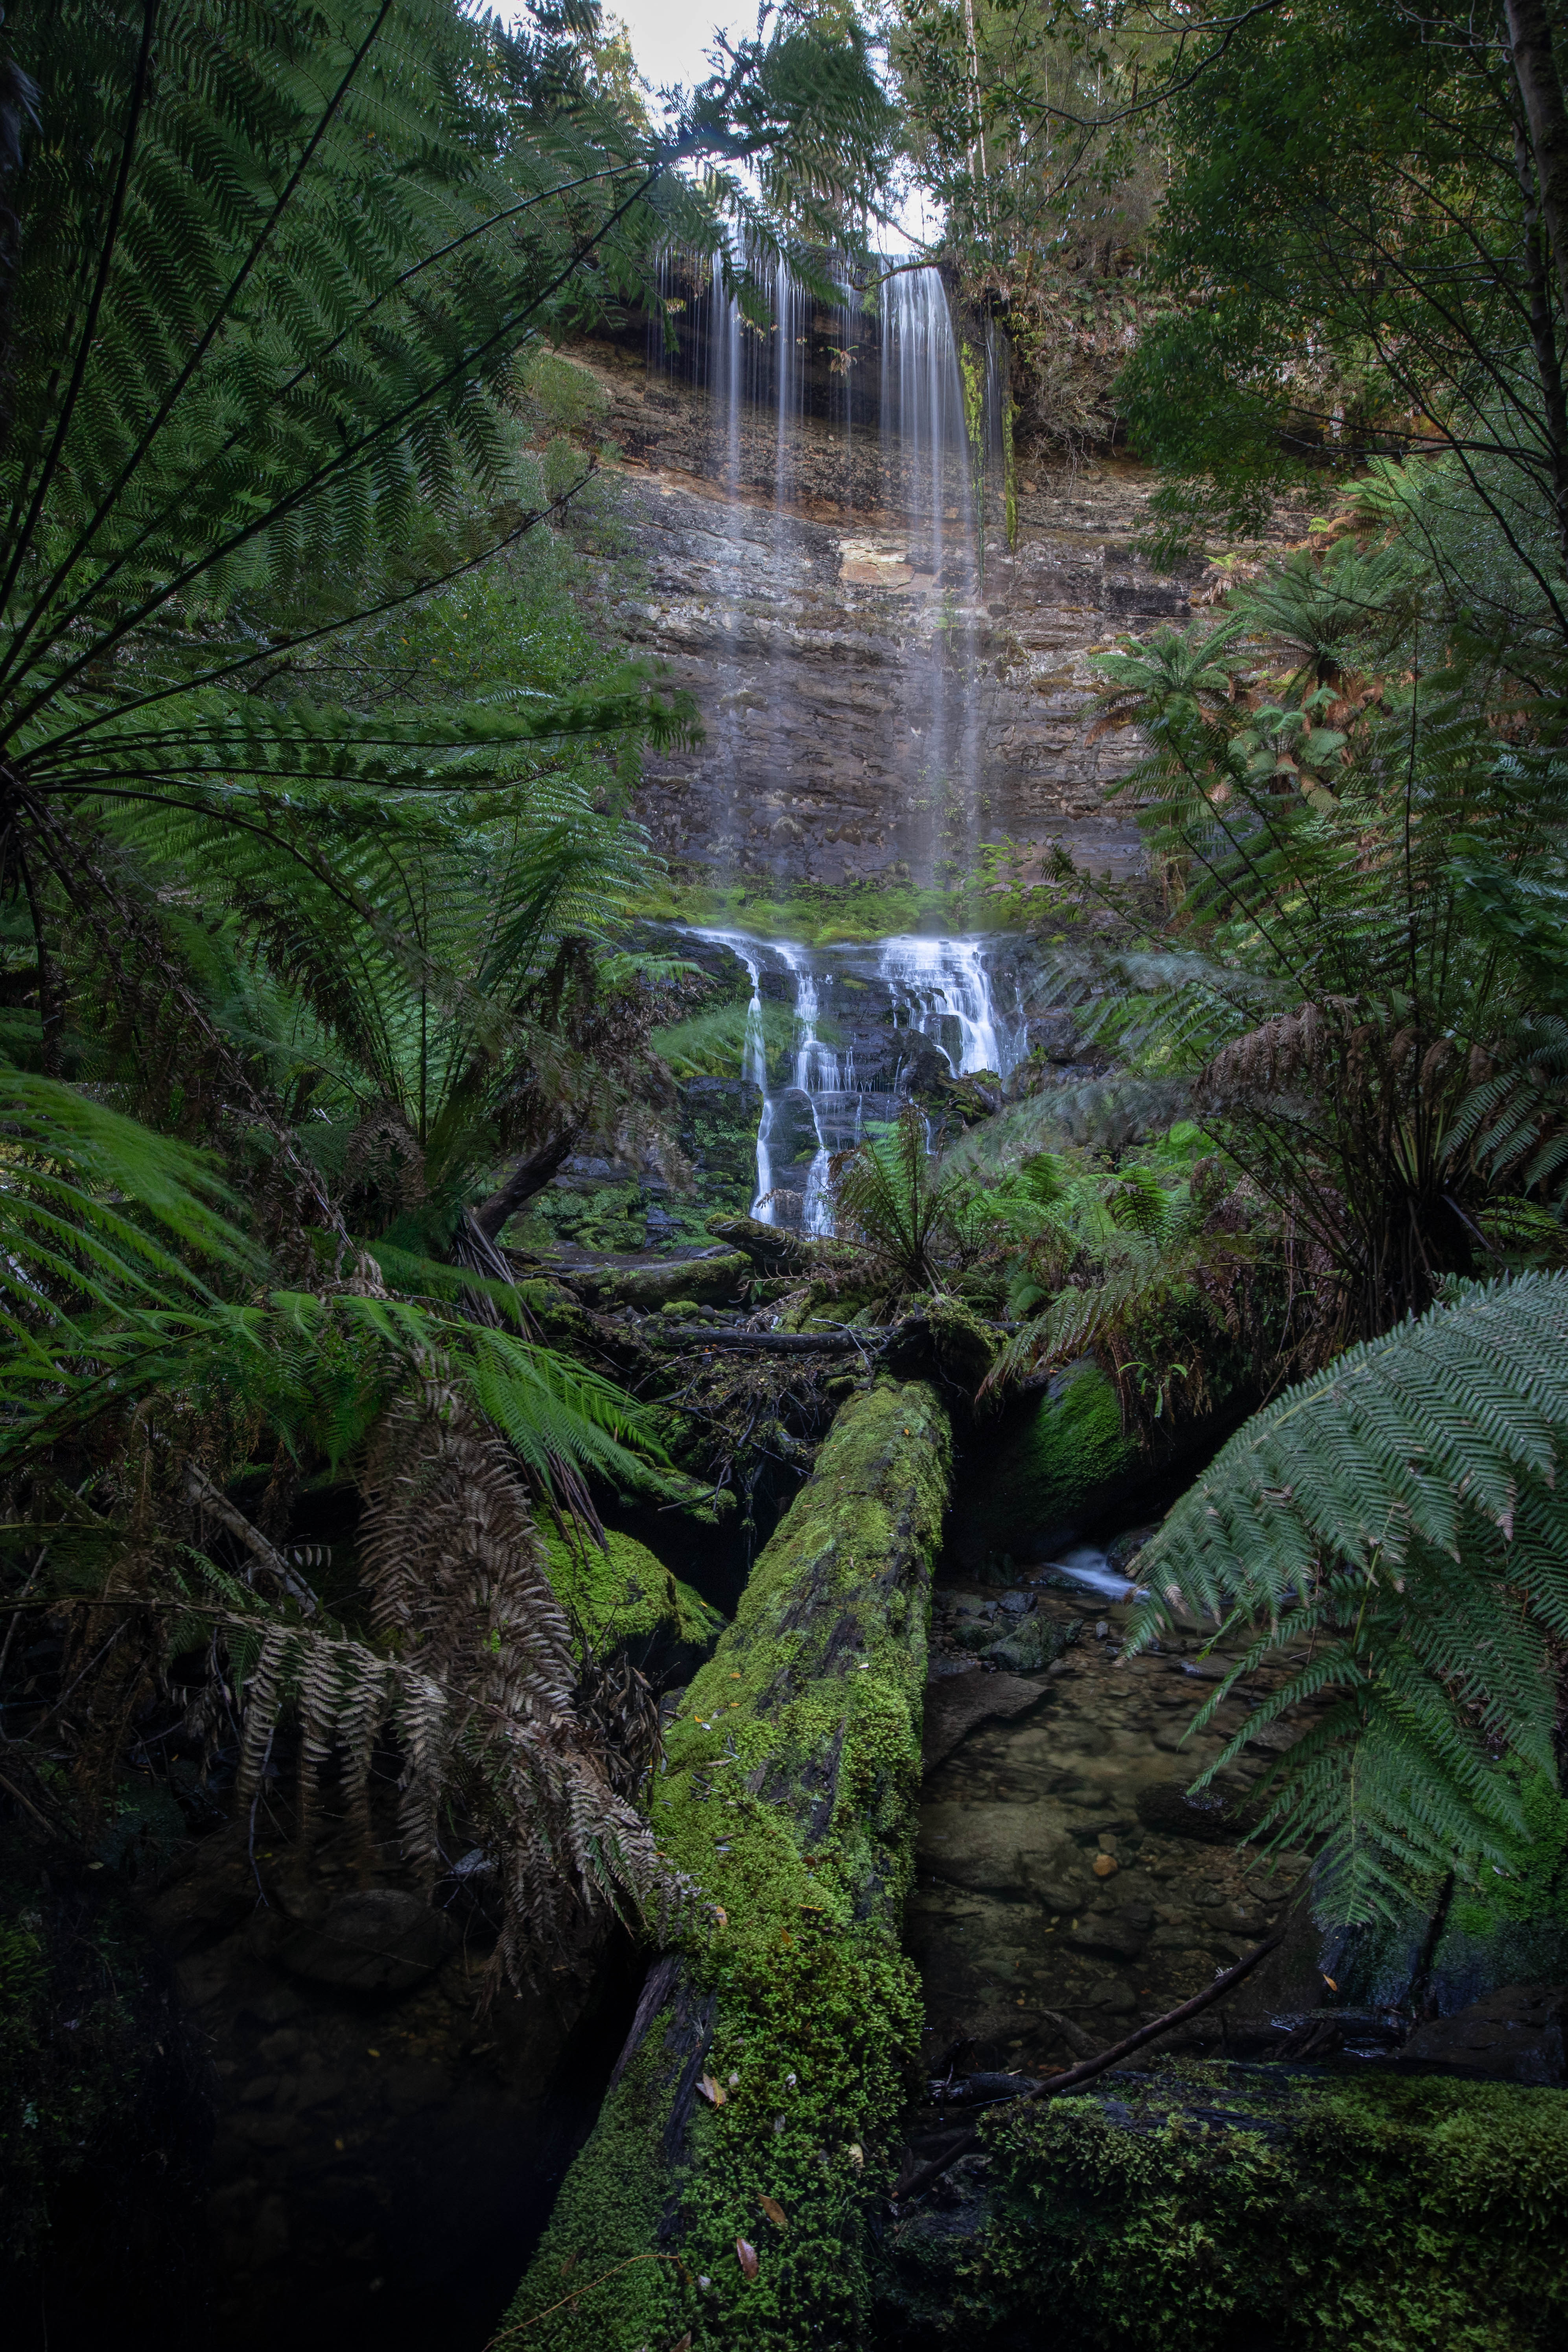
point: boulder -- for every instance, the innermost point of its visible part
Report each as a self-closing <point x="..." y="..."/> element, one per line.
<point x="1031" y="1645"/>
<point x="954" y="1705"/>
<point x="373" y="1939"/>
<point x="626" y="1594"/>
<point x="1058" y="1462"/>
<point x="1054" y="1035"/>
<point x="791" y="1134"/>
<point x="1512" y="2035"/>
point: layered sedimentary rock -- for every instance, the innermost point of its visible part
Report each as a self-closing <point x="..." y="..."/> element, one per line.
<point x="876" y="697"/>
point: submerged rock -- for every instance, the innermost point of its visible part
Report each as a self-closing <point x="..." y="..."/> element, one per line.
<point x="1166" y="1806"/>
<point x="1028" y="1647"/>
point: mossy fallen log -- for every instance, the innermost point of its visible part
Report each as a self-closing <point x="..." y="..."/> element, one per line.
<point x="714" y="1280"/>
<point x="746" y="2143"/>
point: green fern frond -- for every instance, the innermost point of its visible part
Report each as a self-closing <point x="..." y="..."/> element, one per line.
<point x="1404" y="1513"/>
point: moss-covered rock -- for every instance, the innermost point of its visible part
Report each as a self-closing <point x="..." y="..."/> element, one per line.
<point x="719" y="1123"/>
<point x="966" y="1350"/>
<point x="714" y="1280"/>
<point x="1203" y="2207"/>
<point x="1055" y="1466"/>
<point x="789" y="1805"/>
<point x="626" y="1594"/>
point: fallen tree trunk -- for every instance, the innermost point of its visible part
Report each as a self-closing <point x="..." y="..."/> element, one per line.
<point x="723" y="1339"/>
<point x="745" y="2143"/>
<point x="530" y="1176"/>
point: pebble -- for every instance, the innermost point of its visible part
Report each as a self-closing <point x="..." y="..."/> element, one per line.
<point x="1105" y="1866"/>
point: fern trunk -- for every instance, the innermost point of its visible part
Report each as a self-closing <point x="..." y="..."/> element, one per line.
<point x="790" y="1799"/>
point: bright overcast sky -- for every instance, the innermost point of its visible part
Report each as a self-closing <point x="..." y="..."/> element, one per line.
<point x="670" y="39"/>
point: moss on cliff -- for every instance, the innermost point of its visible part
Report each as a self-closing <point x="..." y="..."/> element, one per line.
<point x="1200" y="2209"/>
<point x="790" y="1802"/>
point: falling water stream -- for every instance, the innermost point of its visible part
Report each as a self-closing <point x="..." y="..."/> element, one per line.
<point x="873" y="1002"/>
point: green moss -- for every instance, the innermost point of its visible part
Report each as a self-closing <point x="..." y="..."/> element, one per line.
<point x="844" y="914"/>
<point x="1055" y="1466"/>
<point x="789" y="1805"/>
<point x="718" y="1122"/>
<point x="626" y="1594"/>
<point x="610" y="1217"/>
<point x="1536" y="1889"/>
<point x="1199" y="2210"/>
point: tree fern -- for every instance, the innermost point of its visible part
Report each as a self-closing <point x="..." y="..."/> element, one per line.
<point x="1401" y="1515"/>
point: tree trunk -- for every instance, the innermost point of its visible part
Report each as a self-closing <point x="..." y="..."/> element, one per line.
<point x="1541" y="91"/>
<point x="529" y="1177"/>
<point x="745" y="2144"/>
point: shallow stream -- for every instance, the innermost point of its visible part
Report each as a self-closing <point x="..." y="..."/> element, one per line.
<point x="1044" y="1895"/>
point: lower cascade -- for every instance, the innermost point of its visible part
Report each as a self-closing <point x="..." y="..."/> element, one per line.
<point x="869" y="1023"/>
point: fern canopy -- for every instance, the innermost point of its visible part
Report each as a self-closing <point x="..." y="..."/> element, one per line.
<point x="1399" y="1523"/>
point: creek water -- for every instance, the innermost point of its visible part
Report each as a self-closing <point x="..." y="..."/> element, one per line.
<point x="1042" y="1893"/>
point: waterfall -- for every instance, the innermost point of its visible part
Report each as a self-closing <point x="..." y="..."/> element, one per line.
<point x="946" y="990"/>
<point x="927" y="454"/>
<point x="938" y="982"/>
<point x="883" y="374"/>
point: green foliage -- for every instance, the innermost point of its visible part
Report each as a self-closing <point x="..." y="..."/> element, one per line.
<point x="1534" y="1885"/>
<point x="712" y="1043"/>
<point x="1356" y="2211"/>
<point x="1329" y="994"/>
<point x="1352" y="250"/>
<point x="788" y="1808"/>
<point x="1403" y="1515"/>
<point x="902" y="1207"/>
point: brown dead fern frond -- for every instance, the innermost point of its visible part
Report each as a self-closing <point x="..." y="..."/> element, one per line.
<point x="475" y="1687"/>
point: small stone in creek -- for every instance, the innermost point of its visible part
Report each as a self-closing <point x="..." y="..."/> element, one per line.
<point x="1105" y="1866"/>
<point x="1101" y="1630"/>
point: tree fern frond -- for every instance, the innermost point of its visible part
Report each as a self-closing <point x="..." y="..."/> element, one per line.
<point x="1403" y="1509"/>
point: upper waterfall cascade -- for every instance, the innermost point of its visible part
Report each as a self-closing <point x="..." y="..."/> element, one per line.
<point x="870" y="391"/>
<point x="891" y="397"/>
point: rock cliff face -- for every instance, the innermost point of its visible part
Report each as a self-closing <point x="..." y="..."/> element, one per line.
<point x="872" y="701"/>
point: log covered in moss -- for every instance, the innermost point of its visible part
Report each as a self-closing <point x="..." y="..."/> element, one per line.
<point x="758" y="2097"/>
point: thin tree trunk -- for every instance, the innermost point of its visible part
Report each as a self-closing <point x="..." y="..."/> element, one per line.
<point x="1541" y="91"/>
<point x="529" y="1177"/>
<point x="1542" y="331"/>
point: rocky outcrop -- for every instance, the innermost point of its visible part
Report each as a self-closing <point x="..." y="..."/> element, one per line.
<point x="787" y="578"/>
